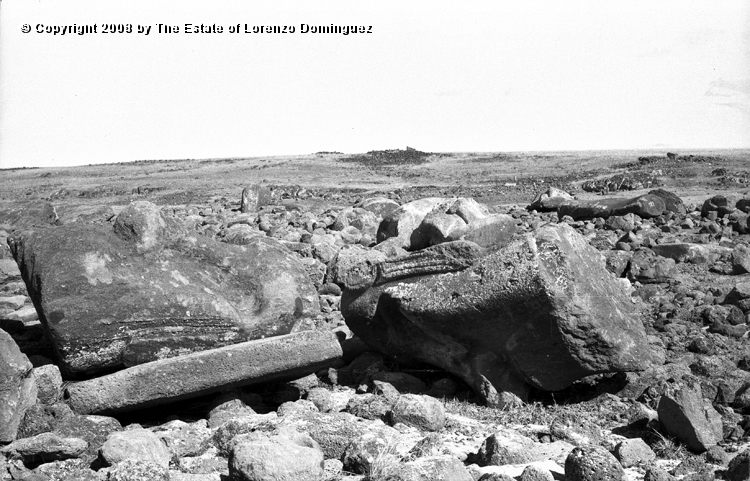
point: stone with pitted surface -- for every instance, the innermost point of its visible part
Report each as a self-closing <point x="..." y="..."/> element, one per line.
<point x="541" y="312"/>
<point x="147" y="289"/>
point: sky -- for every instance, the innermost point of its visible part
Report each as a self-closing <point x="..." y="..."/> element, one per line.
<point x="435" y="75"/>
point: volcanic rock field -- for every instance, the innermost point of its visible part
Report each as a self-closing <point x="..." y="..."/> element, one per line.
<point x="393" y="315"/>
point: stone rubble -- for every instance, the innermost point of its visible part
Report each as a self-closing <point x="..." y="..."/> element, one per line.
<point x="362" y="415"/>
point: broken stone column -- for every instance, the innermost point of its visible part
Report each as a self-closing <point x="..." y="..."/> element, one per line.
<point x="177" y="378"/>
<point x="542" y="312"/>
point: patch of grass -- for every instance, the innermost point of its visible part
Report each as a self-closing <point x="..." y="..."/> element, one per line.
<point x="667" y="447"/>
<point x="385" y="466"/>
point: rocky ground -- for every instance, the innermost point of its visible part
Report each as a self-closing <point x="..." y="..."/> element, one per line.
<point x="345" y="411"/>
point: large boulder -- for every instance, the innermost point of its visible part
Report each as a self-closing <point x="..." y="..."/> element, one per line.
<point x="426" y="222"/>
<point x="542" y="312"/>
<point x="146" y="289"/>
<point x="402" y="222"/>
<point x="18" y="390"/>
<point x="646" y="206"/>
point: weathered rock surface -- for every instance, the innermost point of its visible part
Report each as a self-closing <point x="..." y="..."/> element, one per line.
<point x="45" y="447"/>
<point x="690" y="419"/>
<point x="172" y="379"/>
<point x="689" y="252"/>
<point x="632" y="452"/>
<point x="428" y="222"/>
<point x="672" y="202"/>
<point x="146" y="290"/>
<point x="136" y="445"/>
<point x="542" y="312"/>
<point x="739" y="467"/>
<point x="49" y="383"/>
<point x="18" y="390"/>
<point x="722" y="204"/>
<point x="255" y="197"/>
<point x="592" y="464"/>
<point x="402" y="222"/>
<point x="423" y="412"/>
<point x="257" y="456"/>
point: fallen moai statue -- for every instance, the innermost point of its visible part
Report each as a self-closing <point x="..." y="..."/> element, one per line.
<point x="653" y="204"/>
<point x="168" y="380"/>
<point x="147" y="289"/>
<point x="647" y="206"/>
<point x="541" y="312"/>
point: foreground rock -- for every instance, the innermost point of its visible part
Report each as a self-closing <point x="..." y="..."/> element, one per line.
<point x="45" y="447"/>
<point x="542" y="312"/>
<point x="168" y="380"/>
<point x="592" y="463"/>
<point x="690" y="419"/>
<point x="257" y="456"/>
<point x="146" y="290"/>
<point x="18" y="390"/>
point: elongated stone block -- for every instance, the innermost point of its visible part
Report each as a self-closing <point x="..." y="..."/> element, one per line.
<point x="183" y="377"/>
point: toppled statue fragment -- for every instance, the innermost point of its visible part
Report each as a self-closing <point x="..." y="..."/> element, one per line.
<point x="146" y="289"/>
<point x="542" y="312"/>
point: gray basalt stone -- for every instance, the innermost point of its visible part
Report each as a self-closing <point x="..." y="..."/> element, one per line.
<point x="690" y="419"/>
<point x="146" y="289"/>
<point x="542" y="312"/>
<point x="18" y="389"/>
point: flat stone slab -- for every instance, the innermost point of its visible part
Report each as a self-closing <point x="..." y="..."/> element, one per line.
<point x="183" y="377"/>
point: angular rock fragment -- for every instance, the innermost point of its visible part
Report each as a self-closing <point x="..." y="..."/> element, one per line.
<point x="541" y="312"/>
<point x="493" y="231"/>
<point x="146" y="290"/>
<point x="686" y="416"/>
<point x="721" y="204"/>
<point x="255" y="197"/>
<point x="646" y="267"/>
<point x="693" y="253"/>
<point x="18" y="389"/>
<point x="402" y="222"/>
<point x="423" y="412"/>
<point x="427" y="222"/>
<point x="199" y="373"/>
